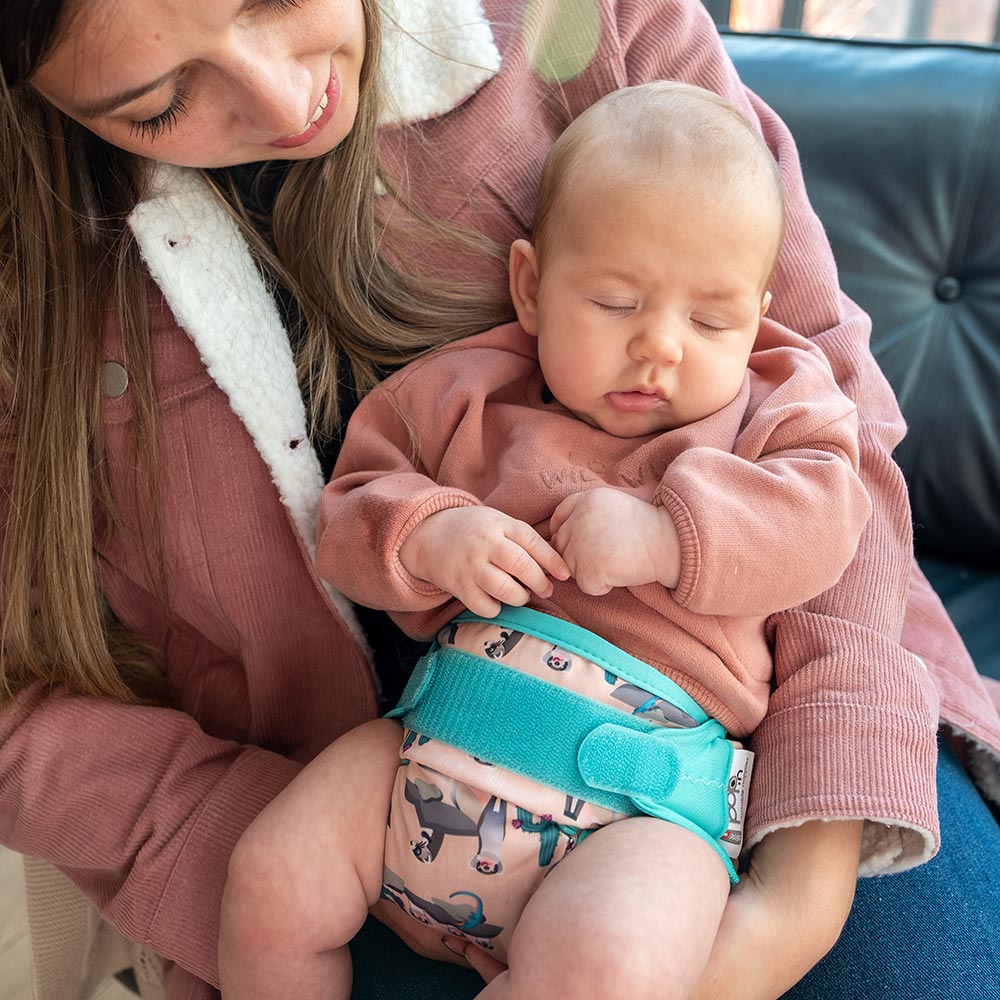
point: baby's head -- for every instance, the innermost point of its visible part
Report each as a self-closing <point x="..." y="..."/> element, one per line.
<point x="659" y="220"/>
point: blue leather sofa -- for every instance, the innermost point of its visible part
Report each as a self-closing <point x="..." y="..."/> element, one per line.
<point x="900" y="145"/>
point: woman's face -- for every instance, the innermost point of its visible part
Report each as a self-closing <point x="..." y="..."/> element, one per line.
<point x="211" y="83"/>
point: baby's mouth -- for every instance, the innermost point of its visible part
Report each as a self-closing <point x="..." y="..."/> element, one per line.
<point x="636" y="400"/>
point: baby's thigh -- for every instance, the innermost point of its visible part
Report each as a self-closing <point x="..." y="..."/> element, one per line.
<point x="633" y="911"/>
<point x="326" y="828"/>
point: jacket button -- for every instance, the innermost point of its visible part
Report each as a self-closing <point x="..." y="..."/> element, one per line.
<point x="947" y="289"/>
<point x="115" y="379"/>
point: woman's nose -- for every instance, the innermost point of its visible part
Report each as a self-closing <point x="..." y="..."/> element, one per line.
<point x="273" y="95"/>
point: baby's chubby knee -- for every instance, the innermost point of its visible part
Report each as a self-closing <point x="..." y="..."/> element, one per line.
<point x="254" y="919"/>
<point x="293" y="881"/>
<point x="276" y="904"/>
<point x="319" y="842"/>
<point x="599" y="962"/>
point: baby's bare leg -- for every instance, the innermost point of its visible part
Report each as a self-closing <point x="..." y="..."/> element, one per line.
<point x="305" y="872"/>
<point x="632" y="912"/>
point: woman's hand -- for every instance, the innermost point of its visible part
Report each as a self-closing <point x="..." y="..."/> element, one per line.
<point x="482" y="557"/>
<point x="786" y="913"/>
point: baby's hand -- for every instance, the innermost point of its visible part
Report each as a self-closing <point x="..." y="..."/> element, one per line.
<point x="613" y="539"/>
<point x="482" y="557"/>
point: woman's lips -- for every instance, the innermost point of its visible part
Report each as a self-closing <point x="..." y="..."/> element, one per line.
<point x="635" y="401"/>
<point x="332" y="96"/>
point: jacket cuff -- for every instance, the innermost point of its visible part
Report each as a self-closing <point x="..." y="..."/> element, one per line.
<point x="687" y="535"/>
<point x="438" y="501"/>
<point x="869" y="763"/>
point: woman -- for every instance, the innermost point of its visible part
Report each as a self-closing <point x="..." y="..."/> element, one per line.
<point x="170" y="658"/>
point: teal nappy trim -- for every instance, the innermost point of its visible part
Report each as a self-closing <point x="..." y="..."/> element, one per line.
<point x="589" y="645"/>
<point x="570" y="742"/>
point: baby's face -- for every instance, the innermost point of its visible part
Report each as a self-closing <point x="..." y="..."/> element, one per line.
<point x="649" y="299"/>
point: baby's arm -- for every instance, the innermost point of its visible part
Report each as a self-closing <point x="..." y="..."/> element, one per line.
<point x="749" y="532"/>
<point x="391" y="538"/>
<point x="777" y="521"/>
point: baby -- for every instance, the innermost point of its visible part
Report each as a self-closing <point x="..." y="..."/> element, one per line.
<point x="594" y="510"/>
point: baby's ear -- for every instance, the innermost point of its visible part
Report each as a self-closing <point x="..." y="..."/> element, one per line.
<point x="523" y="275"/>
<point x="765" y="303"/>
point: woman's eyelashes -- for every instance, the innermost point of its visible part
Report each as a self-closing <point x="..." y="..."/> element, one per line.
<point x="151" y="128"/>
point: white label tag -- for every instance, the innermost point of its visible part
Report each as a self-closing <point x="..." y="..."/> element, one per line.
<point x="739" y="786"/>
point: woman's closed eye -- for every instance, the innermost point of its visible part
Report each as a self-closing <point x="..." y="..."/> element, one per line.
<point x="150" y="128"/>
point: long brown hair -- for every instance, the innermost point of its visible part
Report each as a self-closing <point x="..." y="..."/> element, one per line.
<point x="68" y="265"/>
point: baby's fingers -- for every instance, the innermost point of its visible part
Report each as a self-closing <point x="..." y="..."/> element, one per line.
<point x="533" y="558"/>
<point x="481" y="602"/>
<point x="562" y="513"/>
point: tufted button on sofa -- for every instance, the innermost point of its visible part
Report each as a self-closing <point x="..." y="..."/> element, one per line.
<point x="900" y="146"/>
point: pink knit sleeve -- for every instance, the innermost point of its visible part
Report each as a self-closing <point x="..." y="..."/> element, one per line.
<point x="776" y="522"/>
<point x="851" y="727"/>
<point x="379" y="492"/>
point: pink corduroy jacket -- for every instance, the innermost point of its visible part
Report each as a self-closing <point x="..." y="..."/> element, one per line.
<point x="141" y="807"/>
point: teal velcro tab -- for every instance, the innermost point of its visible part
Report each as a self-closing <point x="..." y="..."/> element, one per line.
<point x="589" y="645"/>
<point x="630" y="762"/>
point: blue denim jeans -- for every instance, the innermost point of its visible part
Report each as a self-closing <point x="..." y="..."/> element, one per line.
<point x="929" y="934"/>
<point x="932" y="933"/>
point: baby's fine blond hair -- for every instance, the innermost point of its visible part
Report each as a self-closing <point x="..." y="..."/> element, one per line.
<point x="661" y="132"/>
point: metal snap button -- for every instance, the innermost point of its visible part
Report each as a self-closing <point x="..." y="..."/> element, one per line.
<point x="115" y="379"/>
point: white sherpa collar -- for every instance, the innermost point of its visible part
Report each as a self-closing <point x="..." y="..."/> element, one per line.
<point x="436" y="53"/>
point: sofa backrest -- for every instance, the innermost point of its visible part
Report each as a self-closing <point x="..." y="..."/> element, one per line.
<point x="900" y="145"/>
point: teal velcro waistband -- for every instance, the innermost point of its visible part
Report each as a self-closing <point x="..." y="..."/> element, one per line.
<point x="572" y="743"/>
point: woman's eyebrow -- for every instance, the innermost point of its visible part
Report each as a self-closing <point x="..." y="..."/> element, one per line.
<point x="104" y="106"/>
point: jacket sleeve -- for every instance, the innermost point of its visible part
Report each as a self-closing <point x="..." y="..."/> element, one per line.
<point x="777" y="521"/>
<point x="379" y="492"/>
<point x="137" y="806"/>
<point x="851" y="726"/>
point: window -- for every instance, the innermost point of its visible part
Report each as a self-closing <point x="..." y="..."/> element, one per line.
<point x="941" y="20"/>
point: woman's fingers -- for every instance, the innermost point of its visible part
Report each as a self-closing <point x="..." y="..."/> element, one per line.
<point x="486" y="965"/>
